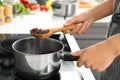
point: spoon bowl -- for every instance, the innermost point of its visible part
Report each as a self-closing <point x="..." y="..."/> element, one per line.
<point x="45" y="33"/>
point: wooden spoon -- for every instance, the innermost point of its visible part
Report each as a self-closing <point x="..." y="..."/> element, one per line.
<point x="40" y="33"/>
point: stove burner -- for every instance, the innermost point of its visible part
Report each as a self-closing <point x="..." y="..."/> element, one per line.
<point x="18" y="77"/>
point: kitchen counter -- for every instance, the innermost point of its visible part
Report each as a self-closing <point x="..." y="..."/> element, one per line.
<point x="23" y="24"/>
<point x="44" y="20"/>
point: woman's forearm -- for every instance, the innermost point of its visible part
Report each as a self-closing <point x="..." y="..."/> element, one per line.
<point x="102" y="10"/>
<point x="114" y="43"/>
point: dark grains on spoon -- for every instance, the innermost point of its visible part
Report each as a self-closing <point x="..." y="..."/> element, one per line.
<point x="39" y="31"/>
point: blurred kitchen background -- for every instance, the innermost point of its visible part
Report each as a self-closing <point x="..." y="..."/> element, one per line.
<point x="61" y="8"/>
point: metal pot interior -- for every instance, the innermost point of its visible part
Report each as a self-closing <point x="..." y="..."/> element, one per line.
<point x="37" y="46"/>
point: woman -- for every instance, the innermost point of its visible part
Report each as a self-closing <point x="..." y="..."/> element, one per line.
<point x="103" y="56"/>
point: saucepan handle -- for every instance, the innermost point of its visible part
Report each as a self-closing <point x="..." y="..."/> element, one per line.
<point x="66" y="56"/>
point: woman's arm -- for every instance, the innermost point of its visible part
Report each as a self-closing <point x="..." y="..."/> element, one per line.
<point x="84" y="20"/>
<point x="114" y="43"/>
<point x="102" y="10"/>
<point x="99" y="56"/>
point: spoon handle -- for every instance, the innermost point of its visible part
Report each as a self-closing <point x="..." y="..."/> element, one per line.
<point x="63" y="28"/>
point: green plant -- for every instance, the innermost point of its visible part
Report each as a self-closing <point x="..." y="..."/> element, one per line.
<point x="1" y="3"/>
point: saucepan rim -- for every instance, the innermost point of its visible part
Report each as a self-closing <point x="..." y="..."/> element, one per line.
<point x="36" y="38"/>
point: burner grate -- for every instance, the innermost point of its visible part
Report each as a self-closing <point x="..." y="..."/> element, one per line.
<point x="15" y="76"/>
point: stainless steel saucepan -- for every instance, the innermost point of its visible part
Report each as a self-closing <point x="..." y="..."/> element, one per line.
<point x="39" y="58"/>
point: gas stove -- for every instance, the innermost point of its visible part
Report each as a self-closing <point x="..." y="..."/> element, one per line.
<point x="8" y="72"/>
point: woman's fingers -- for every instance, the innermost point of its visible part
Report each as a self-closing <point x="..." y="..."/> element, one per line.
<point x="97" y="57"/>
<point x="76" y="29"/>
<point x="80" y="28"/>
<point x="84" y="28"/>
<point x="70" y="22"/>
<point x="78" y="53"/>
<point x="81" y="61"/>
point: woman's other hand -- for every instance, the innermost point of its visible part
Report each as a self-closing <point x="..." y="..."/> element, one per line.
<point x="99" y="56"/>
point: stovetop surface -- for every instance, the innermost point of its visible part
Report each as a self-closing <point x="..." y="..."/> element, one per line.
<point x="10" y="39"/>
<point x="7" y="71"/>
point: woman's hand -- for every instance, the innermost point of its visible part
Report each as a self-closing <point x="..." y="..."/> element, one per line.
<point x="97" y="57"/>
<point x="83" y="22"/>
